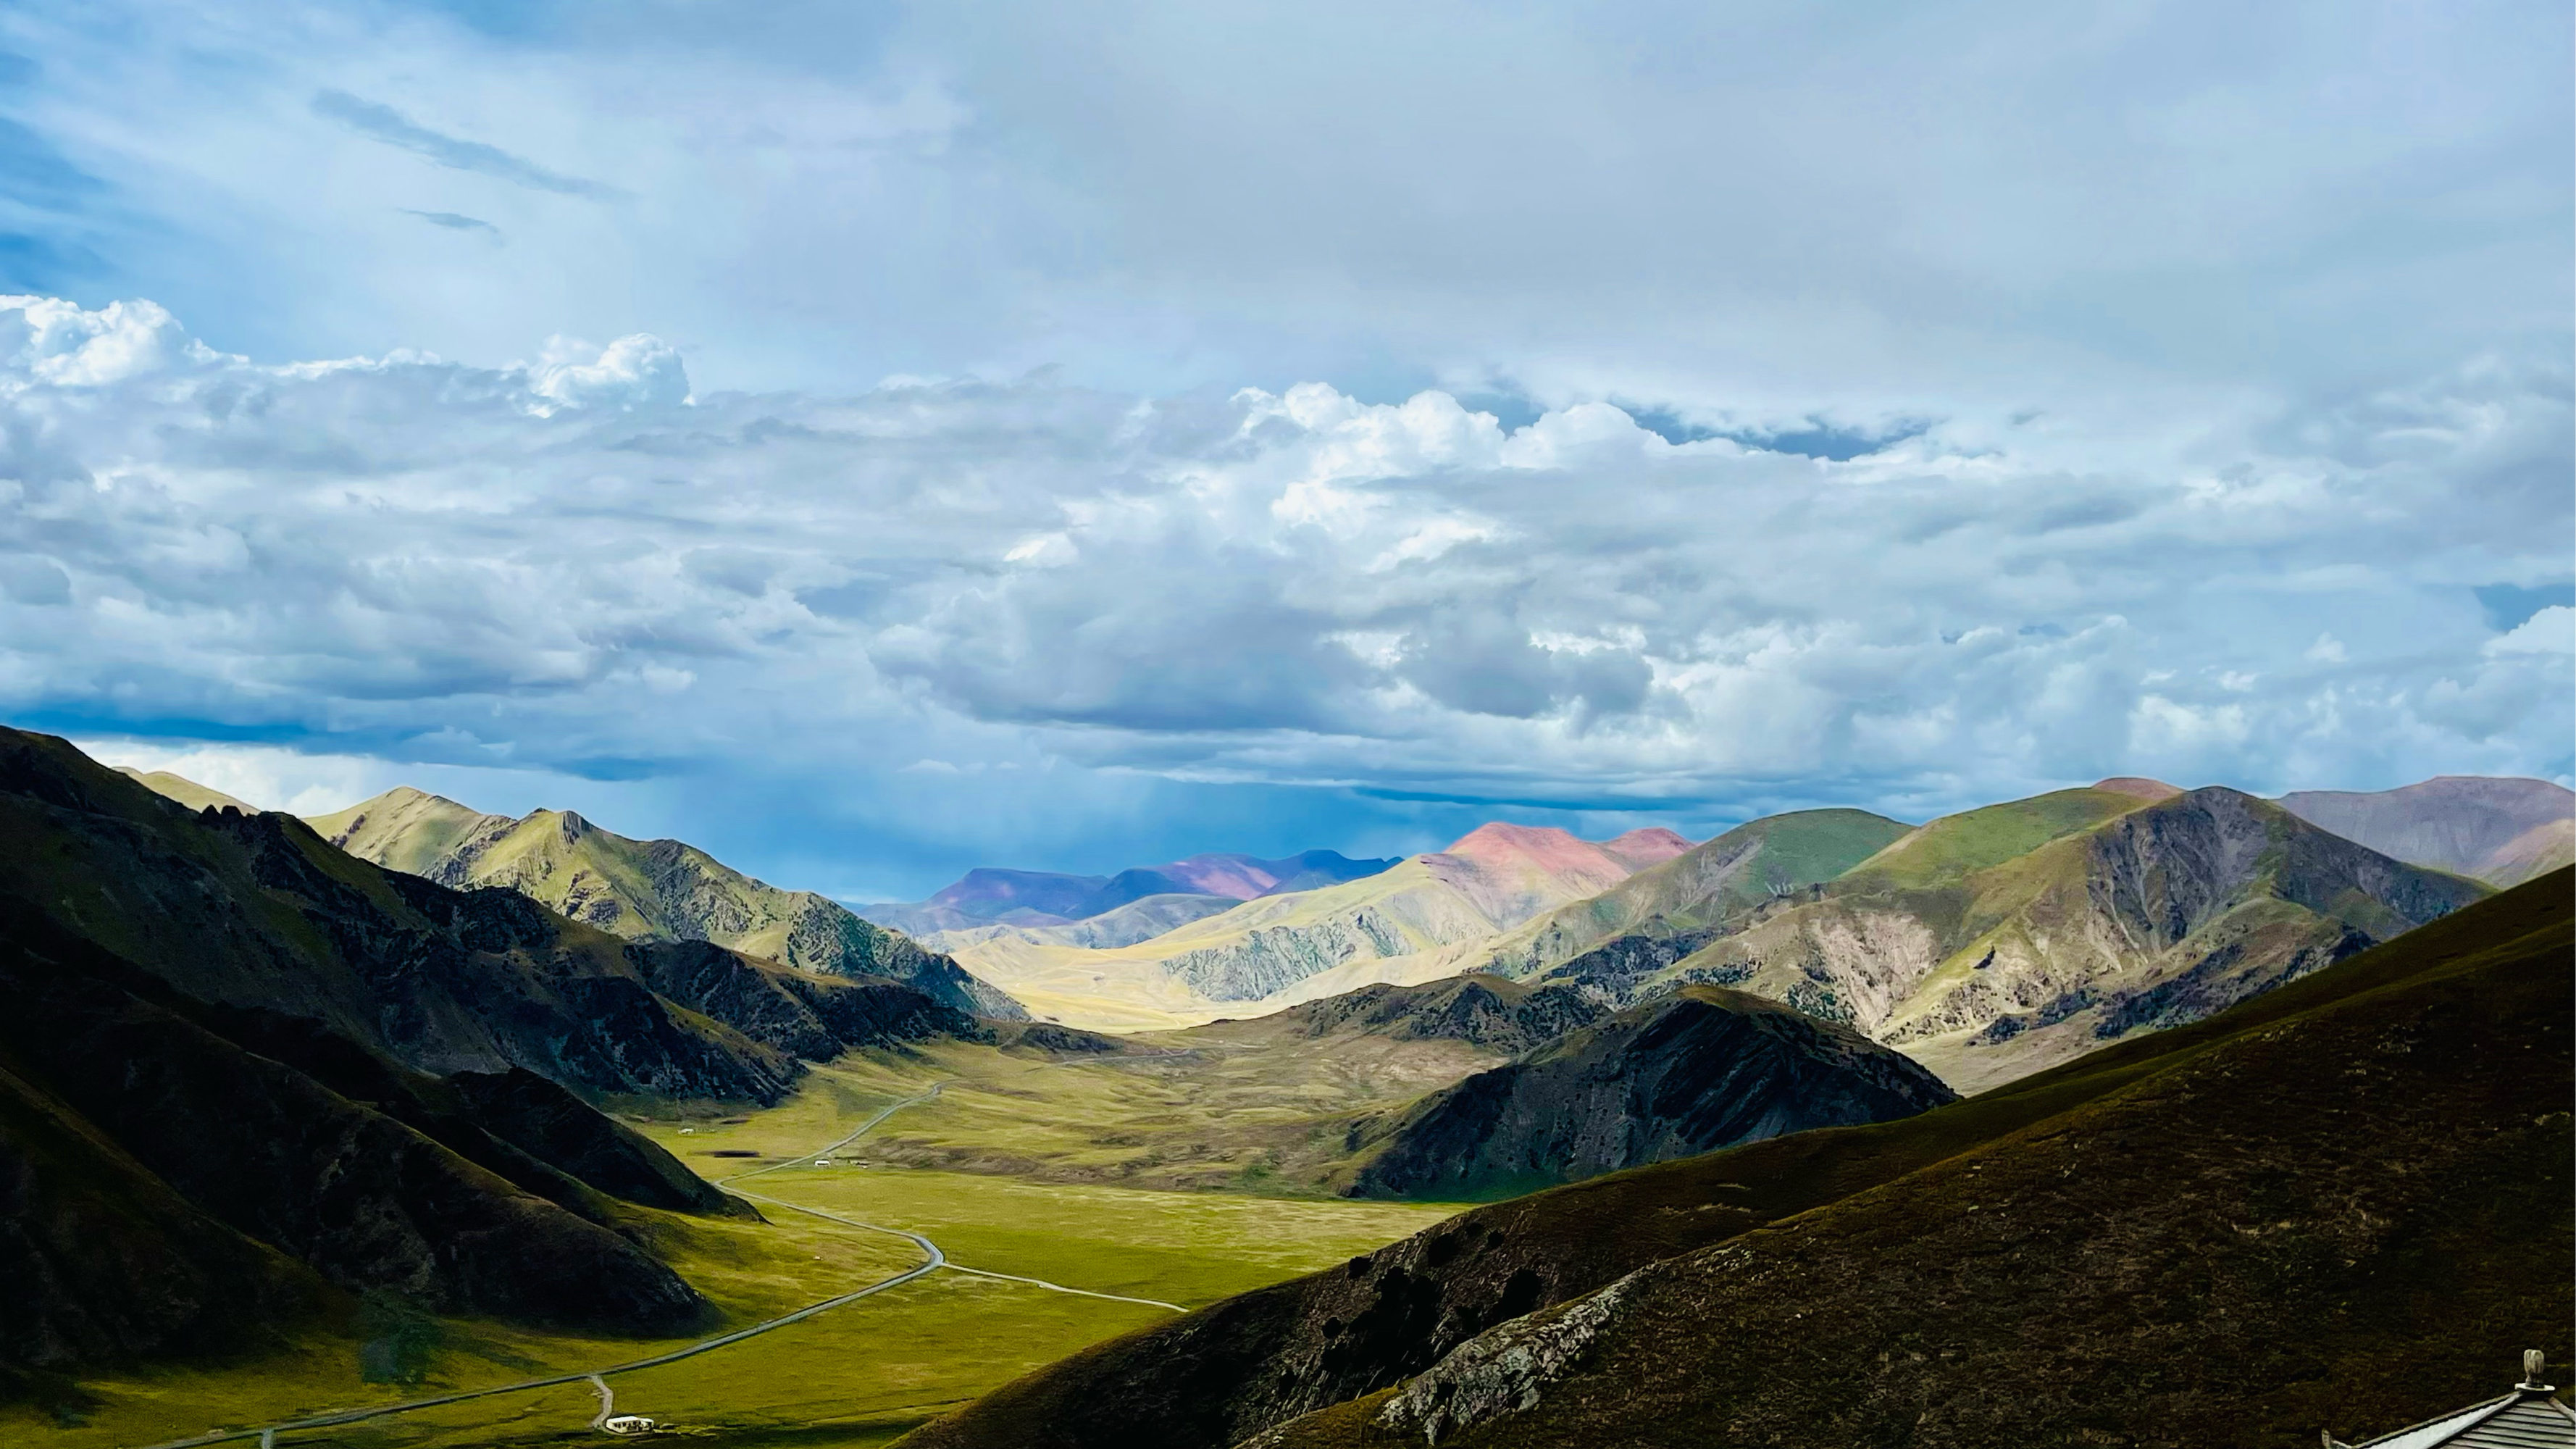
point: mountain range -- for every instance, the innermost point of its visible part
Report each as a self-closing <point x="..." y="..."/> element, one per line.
<point x="2501" y="831"/>
<point x="1276" y="950"/>
<point x="1181" y="891"/>
<point x="2202" y="1235"/>
<point x="244" y="1071"/>
<point x="642" y="890"/>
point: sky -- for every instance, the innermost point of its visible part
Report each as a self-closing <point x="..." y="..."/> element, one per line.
<point x="874" y="440"/>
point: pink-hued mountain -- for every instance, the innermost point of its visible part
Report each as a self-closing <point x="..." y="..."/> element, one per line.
<point x="2501" y="830"/>
<point x="987" y="896"/>
<point x="1512" y="872"/>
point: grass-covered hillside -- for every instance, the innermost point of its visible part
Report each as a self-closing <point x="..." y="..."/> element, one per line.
<point x="1719" y="880"/>
<point x="643" y="890"/>
<point x="2338" y="1205"/>
<point x="2000" y="941"/>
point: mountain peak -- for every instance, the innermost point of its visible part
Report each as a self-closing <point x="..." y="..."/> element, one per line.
<point x="1499" y="837"/>
<point x="2140" y="786"/>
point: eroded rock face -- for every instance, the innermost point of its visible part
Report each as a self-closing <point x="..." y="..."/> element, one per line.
<point x="1505" y="1370"/>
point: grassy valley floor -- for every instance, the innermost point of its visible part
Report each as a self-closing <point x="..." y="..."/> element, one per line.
<point x="859" y="1374"/>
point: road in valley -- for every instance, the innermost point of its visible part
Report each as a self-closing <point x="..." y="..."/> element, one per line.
<point x="933" y="1260"/>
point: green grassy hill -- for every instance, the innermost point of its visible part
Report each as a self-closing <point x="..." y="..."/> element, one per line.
<point x="182" y="789"/>
<point x="643" y="890"/>
<point x="1715" y="881"/>
<point x="2341" y="1204"/>
<point x="2000" y="941"/>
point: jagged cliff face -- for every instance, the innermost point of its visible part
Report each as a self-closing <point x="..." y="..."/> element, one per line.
<point x="1988" y="961"/>
<point x="1692" y="1072"/>
<point x="653" y="890"/>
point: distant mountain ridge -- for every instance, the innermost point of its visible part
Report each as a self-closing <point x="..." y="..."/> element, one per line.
<point x="1406" y="923"/>
<point x="643" y="890"/>
<point x="987" y="896"/>
<point x="2499" y="830"/>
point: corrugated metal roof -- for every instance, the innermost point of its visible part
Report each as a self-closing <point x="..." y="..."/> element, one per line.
<point x="2525" y="1419"/>
<point x="2534" y="1421"/>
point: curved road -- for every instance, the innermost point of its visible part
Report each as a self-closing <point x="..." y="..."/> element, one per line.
<point x="932" y="1261"/>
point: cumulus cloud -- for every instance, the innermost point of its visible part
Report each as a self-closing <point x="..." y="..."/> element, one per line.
<point x="571" y="566"/>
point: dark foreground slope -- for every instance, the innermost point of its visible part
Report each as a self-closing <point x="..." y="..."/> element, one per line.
<point x="1689" y="1073"/>
<point x="2083" y="1256"/>
<point x="241" y="1072"/>
<point x="143" y="1137"/>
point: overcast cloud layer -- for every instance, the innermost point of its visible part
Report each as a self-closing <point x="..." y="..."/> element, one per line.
<point x="1320" y="430"/>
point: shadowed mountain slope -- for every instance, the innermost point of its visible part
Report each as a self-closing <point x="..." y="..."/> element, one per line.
<point x="641" y="890"/>
<point x="257" y="911"/>
<point x="2501" y="831"/>
<point x="2234" y="1231"/>
<point x="1486" y="1011"/>
<point x="436" y="1208"/>
<point x="1396" y="925"/>
<point x="1688" y="1073"/>
<point x="230" y="1045"/>
<point x="1994" y="943"/>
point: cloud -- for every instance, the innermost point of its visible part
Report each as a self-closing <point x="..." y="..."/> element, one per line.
<point x="631" y="372"/>
<point x="1085" y="604"/>
<point x="455" y="221"/>
<point x="383" y="123"/>
<point x="2550" y="631"/>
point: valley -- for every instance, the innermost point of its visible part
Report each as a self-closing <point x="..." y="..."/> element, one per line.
<point x="861" y="1372"/>
<point x="1338" y="1136"/>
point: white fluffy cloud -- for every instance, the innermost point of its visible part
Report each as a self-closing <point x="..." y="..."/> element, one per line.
<point x="570" y="566"/>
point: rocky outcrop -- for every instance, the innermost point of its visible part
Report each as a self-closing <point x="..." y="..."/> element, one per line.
<point x="1702" y="1069"/>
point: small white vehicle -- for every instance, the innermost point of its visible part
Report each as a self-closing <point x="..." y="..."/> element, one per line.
<point x="629" y="1425"/>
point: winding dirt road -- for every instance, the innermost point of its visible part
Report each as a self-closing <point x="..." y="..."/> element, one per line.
<point x="933" y="1260"/>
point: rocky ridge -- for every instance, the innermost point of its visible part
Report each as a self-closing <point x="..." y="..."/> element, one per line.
<point x="643" y="890"/>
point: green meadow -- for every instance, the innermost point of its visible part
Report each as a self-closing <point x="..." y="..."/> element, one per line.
<point x="859" y="1374"/>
